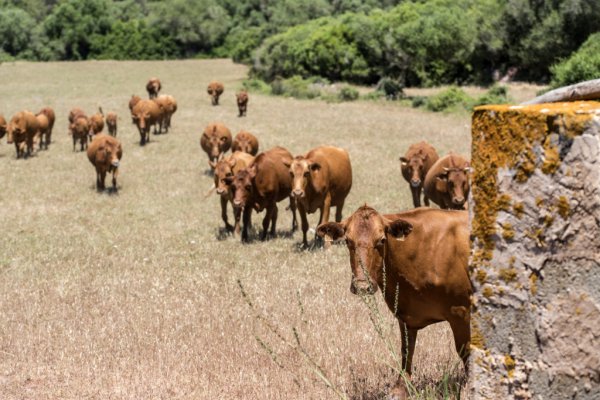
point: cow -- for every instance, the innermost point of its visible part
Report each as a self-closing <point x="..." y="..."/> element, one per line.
<point x="321" y="179"/>
<point x="260" y="186"/>
<point x="225" y="170"/>
<point x="147" y="113"/>
<point x="414" y="166"/>
<point x="79" y="130"/>
<point x="153" y="87"/>
<point x="215" y="90"/>
<point x="168" y="106"/>
<point x="215" y="141"/>
<point x="22" y="129"/>
<point x="2" y="126"/>
<point x="41" y="136"/>
<point x="49" y="113"/>
<point x="447" y="182"/>
<point x="132" y="102"/>
<point x="74" y="113"/>
<point x="96" y="123"/>
<point x="105" y="153"/>
<point x="242" y="102"/>
<point x="111" y="124"/>
<point x="418" y="259"/>
<point x="246" y="142"/>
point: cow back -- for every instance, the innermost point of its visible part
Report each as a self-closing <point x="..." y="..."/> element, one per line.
<point x="272" y="175"/>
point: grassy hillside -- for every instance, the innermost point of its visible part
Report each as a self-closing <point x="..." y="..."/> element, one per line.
<point x="135" y="295"/>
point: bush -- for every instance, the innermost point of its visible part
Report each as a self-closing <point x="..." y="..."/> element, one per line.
<point x="296" y="87"/>
<point x="583" y="65"/>
<point x="448" y="100"/>
<point x="348" y="93"/>
<point x="496" y="95"/>
<point x="256" y="85"/>
<point x="391" y="88"/>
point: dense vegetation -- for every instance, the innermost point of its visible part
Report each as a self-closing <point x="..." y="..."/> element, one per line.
<point x="415" y="42"/>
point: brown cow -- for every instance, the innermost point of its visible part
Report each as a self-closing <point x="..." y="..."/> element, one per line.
<point x="49" y="113"/>
<point x="41" y="137"/>
<point x="153" y="87"/>
<point x="147" y="113"/>
<point x="260" y="186"/>
<point x="225" y="170"/>
<point x="74" y="113"/>
<point x="22" y="129"/>
<point x="447" y="182"/>
<point x="322" y="179"/>
<point x="79" y="130"/>
<point x="215" y="141"/>
<point x="105" y="153"/>
<point x="414" y="165"/>
<point x="242" y="102"/>
<point x="96" y="123"/>
<point x="111" y="124"/>
<point x="132" y="102"/>
<point x="168" y="106"/>
<point x="2" y="126"/>
<point x="246" y="142"/>
<point x="418" y="259"/>
<point x="215" y="90"/>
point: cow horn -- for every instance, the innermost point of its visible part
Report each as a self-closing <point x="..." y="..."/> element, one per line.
<point x="446" y="169"/>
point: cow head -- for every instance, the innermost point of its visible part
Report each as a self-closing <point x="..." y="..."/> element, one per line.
<point x="455" y="182"/>
<point x="415" y="168"/>
<point x="218" y="143"/>
<point x="223" y="174"/>
<point x="133" y="101"/>
<point x="302" y="171"/>
<point x="2" y="127"/>
<point x="242" y="186"/>
<point x="366" y="233"/>
<point x="108" y="154"/>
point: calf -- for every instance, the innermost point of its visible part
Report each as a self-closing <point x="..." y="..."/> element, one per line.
<point x="22" y="129"/>
<point x="96" y="123"/>
<point x="49" y="113"/>
<point x="418" y="259"/>
<point x="321" y="179"/>
<point x="168" y="106"/>
<point x="147" y="113"/>
<point x="242" y="102"/>
<point x="105" y="153"/>
<point x="215" y="141"/>
<point x="79" y="130"/>
<point x="260" y="186"/>
<point x="41" y="136"/>
<point x="414" y="166"/>
<point x="225" y="170"/>
<point x="246" y="142"/>
<point x="153" y="87"/>
<point x="215" y="90"/>
<point x="447" y="182"/>
<point x="111" y="124"/>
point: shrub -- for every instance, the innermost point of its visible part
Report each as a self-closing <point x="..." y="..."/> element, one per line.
<point x="296" y="87"/>
<point x="256" y="85"/>
<point x="391" y="88"/>
<point x="448" y="100"/>
<point x="496" y="95"/>
<point x="583" y="65"/>
<point x="347" y="93"/>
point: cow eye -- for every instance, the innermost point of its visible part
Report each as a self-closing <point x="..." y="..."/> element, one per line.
<point x="248" y="187"/>
<point x="229" y="174"/>
<point x="223" y="139"/>
<point x="381" y="241"/>
<point x="306" y="173"/>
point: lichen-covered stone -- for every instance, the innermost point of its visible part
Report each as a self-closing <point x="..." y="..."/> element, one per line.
<point x="535" y="262"/>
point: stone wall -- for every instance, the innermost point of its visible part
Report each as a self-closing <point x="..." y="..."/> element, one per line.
<point x="535" y="262"/>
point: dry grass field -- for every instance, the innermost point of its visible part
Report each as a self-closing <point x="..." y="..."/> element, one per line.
<point x="135" y="295"/>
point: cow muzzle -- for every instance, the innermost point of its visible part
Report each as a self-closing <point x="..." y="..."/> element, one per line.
<point x="458" y="202"/>
<point x="415" y="183"/>
<point x="298" y="193"/>
<point x="221" y="191"/>
<point x="115" y="163"/>
<point x="238" y="203"/>
<point x="362" y="287"/>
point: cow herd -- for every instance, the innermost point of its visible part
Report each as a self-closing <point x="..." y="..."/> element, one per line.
<point x="417" y="258"/>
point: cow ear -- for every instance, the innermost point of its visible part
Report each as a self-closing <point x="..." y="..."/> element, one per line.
<point x="403" y="160"/>
<point x="334" y="230"/>
<point x="441" y="183"/>
<point x="286" y="162"/>
<point x="231" y="161"/>
<point x="399" y="229"/>
<point x="252" y="171"/>
<point x="315" y="166"/>
<point x="212" y="164"/>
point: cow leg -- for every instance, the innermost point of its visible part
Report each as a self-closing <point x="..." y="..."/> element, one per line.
<point x="409" y="338"/>
<point x="324" y="218"/>
<point x="114" y="179"/>
<point x="236" y="215"/>
<point x="266" y="221"/>
<point x="224" y="201"/>
<point x="426" y="199"/>
<point x="338" y="211"/>
<point x="74" y="143"/>
<point x="247" y="220"/>
<point x="304" y="221"/>
<point x="274" y="220"/>
<point x="294" y="219"/>
<point x="416" y="195"/>
<point x="461" y="329"/>
<point x="102" y="180"/>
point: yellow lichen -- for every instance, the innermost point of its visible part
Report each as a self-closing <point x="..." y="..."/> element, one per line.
<point x="510" y="365"/>
<point x="507" y="274"/>
<point x="539" y="202"/>
<point x="488" y="292"/>
<point x="481" y="276"/>
<point x="533" y="278"/>
<point x="508" y="233"/>
<point x="551" y="158"/>
<point x="518" y="210"/>
<point x="548" y="220"/>
<point x="503" y="202"/>
<point x="477" y="339"/>
<point x="564" y="208"/>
